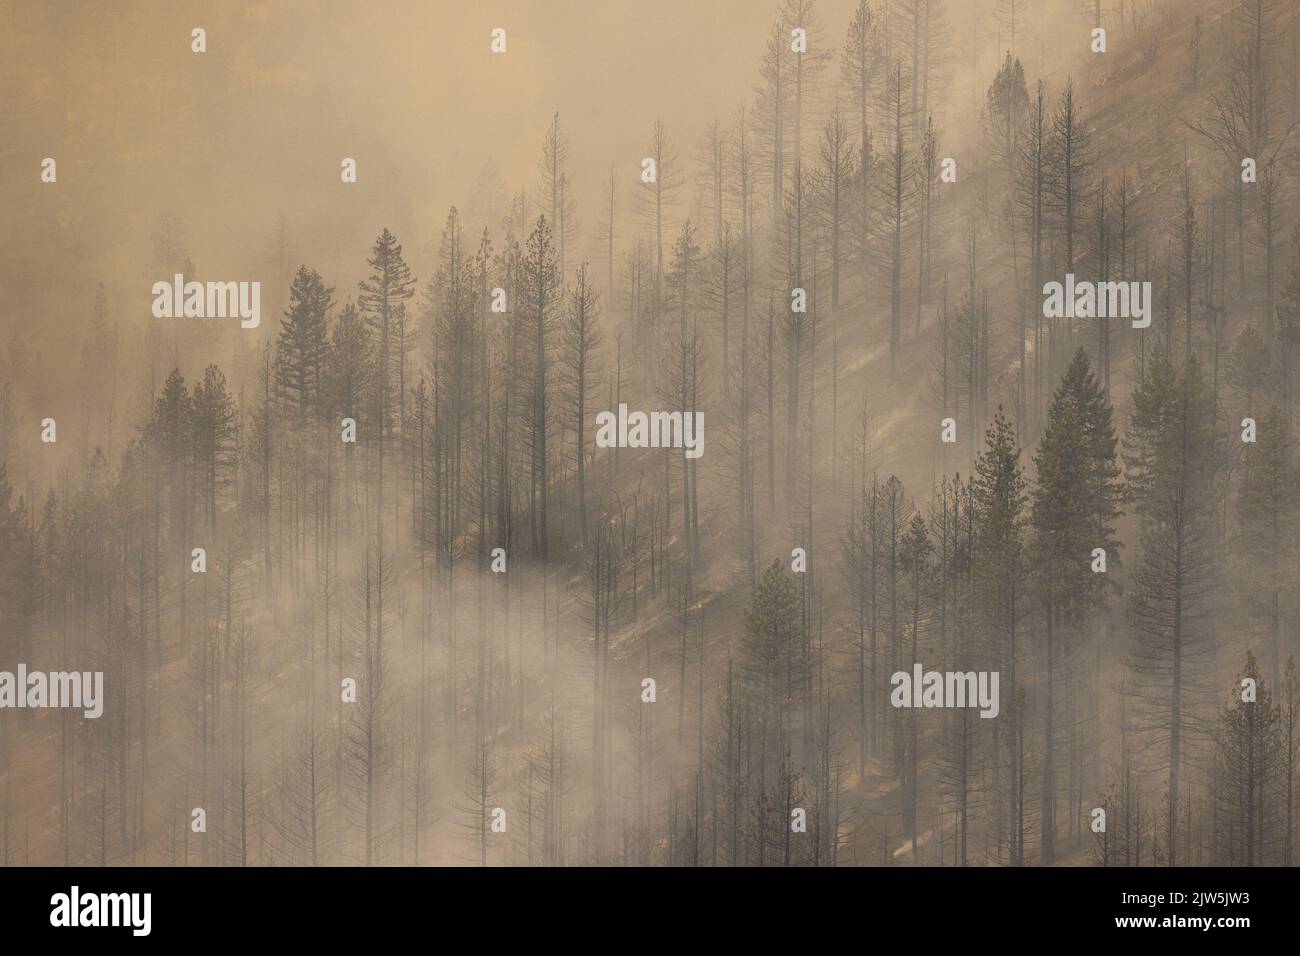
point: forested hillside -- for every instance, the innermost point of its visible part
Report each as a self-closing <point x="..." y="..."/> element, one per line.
<point x="365" y="582"/>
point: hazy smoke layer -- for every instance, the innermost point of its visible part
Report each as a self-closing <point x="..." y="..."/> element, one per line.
<point x="817" y="432"/>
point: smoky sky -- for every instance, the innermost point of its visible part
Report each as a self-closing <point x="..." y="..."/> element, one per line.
<point x="247" y="138"/>
<point x="257" y="126"/>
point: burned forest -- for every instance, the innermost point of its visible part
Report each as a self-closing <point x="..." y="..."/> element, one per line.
<point x="778" y="433"/>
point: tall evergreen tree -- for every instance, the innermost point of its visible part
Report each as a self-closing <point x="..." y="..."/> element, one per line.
<point x="302" y="345"/>
<point x="1074" y="503"/>
<point x="382" y="300"/>
<point x="582" y="340"/>
<point x="1176" y="453"/>
<point x="999" y="493"/>
<point x="541" y="290"/>
<point x="1249" y="756"/>
<point x="1266" y="511"/>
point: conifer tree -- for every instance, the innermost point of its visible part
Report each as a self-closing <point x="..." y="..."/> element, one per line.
<point x="896" y="199"/>
<point x="302" y="345"/>
<point x="582" y="341"/>
<point x="771" y="659"/>
<point x="382" y="300"/>
<point x="914" y="557"/>
<point x="541" y="289"/>
<point x="1249" y="756"/>
<point x="999" y="493"/>
<point x="1177" y="456"/>
<point x="1266" y="511"/>
<point x="214" y="440"/>
<point x="1073" y="505"/>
